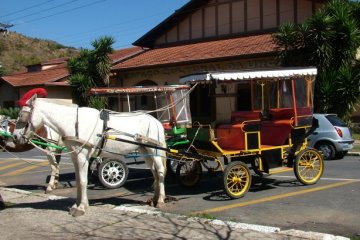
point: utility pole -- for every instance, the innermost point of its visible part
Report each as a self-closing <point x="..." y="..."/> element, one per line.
<point x="4" y="28"/>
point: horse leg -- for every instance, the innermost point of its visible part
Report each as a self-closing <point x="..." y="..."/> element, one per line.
<point x="81" y="171"/>
<point x="154" y="200"/>
<point x="160" y="166"/>
<point x="157" y="165"/>
<point x="54" y="165"/>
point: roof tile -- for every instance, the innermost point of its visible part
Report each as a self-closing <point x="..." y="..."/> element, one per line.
<point x="219" y="49"/>
<point x="37" y="78"/>
<point x="59" y="71"/>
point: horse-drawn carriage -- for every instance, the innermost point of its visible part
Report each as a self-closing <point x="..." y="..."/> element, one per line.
<point x="271" y="133"/>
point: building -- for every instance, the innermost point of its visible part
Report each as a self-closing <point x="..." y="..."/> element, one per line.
<point x="203" y="35"/>
<point x="211" y="35"/>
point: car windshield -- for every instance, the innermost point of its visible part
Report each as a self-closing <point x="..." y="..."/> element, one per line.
<point x="335" y="121"/>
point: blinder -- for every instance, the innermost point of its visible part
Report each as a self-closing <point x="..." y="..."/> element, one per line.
<point x="24" y="115"/>
<point x="25" y="119"/>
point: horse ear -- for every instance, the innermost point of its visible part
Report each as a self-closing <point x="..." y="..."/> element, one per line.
<point x="30" y="102"/>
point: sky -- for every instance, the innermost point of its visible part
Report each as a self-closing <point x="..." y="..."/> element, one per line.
<point x="76" y="23"/>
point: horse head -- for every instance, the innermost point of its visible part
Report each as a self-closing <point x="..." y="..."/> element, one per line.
<point x="27" y="122"/>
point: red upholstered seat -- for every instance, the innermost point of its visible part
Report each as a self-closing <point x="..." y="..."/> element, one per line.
<point x="241" y="116"/>
<point x="231" y="136"/>
<point x="167" y="126"/>
<point x="277" y="130"/>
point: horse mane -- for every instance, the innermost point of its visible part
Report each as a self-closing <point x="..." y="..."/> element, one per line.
<point x="59" y="102"/>
<point x="41" y="92"/>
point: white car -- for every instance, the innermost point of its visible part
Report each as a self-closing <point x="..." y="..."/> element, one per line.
<point x="333" y="137"/>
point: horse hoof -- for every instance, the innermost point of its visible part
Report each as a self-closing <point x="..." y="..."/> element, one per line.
<point x="48" y="190"/>
<point x="160" y="205"/>
<point x="151" y="202"/>
<point x="76" y="212"/>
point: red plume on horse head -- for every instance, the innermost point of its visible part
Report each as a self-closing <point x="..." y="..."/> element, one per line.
<point x="41" y="92"/>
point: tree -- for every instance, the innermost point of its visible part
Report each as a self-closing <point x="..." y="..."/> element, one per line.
<point x="1" y="71"/>
<point x="328" y="40"/>
<point x="91" y="69"/>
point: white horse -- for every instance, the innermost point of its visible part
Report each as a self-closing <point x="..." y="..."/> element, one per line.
<point x="52" y="154"/>
<point x="81" y="130"/>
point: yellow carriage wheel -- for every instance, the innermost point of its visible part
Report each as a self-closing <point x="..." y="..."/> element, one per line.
<point x="237" y="179"/>
<point x="308" y="166"/>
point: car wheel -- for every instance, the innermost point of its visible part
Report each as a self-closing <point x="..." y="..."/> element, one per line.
<point x="327" y="149"/>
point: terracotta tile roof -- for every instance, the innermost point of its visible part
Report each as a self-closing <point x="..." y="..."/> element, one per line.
<point x="55" y="61"/>
<point x="198" y="52"/>
<point x="37" y="78"/>
<point x="123" y="54"/>
<point x="52" y="75"/>
<point x="60" y="84"/>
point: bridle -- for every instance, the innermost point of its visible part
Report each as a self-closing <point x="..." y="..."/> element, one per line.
<point x="24" y="118"/>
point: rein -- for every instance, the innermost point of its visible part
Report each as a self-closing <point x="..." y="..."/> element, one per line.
<point x="22" y="159"/>
<point x="26" y="118"/>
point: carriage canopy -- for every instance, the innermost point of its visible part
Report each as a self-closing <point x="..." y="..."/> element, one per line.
<point x="171" y="102"/>
<point x="288" y="89"/>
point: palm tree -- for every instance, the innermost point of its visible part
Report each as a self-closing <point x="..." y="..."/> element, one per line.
<point x="328" y="40"/>
<point x="91" y="69"/>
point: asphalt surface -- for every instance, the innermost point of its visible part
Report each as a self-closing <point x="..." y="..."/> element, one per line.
<point x="41" y="216"/>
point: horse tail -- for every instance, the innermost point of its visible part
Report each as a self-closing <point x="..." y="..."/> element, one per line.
<point x="164" y="159"/>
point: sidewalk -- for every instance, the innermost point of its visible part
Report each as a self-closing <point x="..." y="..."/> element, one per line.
<point x="39" y="216"/>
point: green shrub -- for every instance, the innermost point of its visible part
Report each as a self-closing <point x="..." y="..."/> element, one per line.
<point x="97" y="102"/>
<point x="10" y="112"/>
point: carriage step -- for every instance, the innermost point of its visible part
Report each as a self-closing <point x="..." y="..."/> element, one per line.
<point x="280" y="170"/>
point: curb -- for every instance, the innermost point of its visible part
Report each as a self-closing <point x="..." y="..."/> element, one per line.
<point x="353" y="154"/>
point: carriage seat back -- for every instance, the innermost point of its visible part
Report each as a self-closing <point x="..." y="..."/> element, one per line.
<point x="241" y="116"/>
<point x="231" y="136"/>
<point x="288" y="113"/>
<point x="276" y="130"/>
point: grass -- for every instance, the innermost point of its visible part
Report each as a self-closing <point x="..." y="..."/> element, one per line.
<point x="356" y="136"/>
<point x="205" y="215"/>
<point x="356" y="148"/>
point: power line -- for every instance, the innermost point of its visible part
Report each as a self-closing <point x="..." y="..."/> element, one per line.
<point x="65" y="11"/>
<point x="99" y="29"/>
<point x="22" y="10"/>
<point x="31" y="14"/>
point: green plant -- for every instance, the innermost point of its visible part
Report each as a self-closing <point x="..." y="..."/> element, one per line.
<point x="356" y="136"/>
<point x="10" y="112"/>
<point x="205" y="215"/>
<point x="328" y="40"/>
<point x="91" y="69"/>
<point x="97" y="102"/>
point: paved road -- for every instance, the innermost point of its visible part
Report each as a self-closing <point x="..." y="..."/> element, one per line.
<point x="330" y="206"/>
